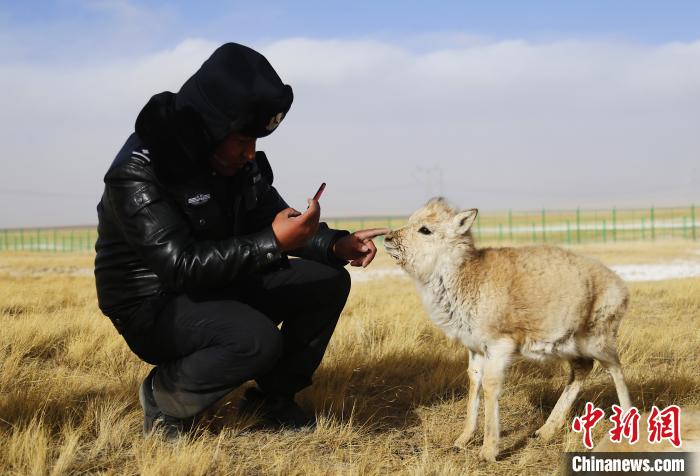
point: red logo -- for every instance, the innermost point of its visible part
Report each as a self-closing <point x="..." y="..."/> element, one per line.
<point x="662" y="424"/>
<point x="586" y="423"/>
<point x="665" y="425"/>
<point x="626" y="425"/>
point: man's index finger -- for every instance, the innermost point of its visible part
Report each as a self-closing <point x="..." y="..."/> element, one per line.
<point x="371" y="233"/>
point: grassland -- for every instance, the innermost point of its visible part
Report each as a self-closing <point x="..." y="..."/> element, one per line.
<point x="390" y="392"/>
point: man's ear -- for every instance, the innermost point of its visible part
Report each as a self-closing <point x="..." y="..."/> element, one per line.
<point x="464" y="220"/>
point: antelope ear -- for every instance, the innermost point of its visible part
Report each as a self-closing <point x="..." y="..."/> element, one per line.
<point x="464" y="220"/>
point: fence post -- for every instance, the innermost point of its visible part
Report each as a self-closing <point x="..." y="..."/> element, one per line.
<point x="614" y="223"/>
<point x="651" y="218"/>
<point x="578" y="225"/>
<point x="692" y="222"/>
<point x="595" y="227"/>
<point x="510" y="225"/>
<point x="605" y="232"/>
<point x="544" y="227"/>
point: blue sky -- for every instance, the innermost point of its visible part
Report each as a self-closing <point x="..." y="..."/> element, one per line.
<point x="496" y="105"/>
<point x="78" y="29"/>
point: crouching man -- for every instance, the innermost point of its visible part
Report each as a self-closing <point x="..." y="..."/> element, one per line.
<point x="191" y="263"/>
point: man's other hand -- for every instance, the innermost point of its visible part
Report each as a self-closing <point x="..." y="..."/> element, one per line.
<point x="358" y="248"/>
<point x="294" y="229"/>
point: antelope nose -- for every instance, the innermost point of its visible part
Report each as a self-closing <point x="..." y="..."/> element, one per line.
<point x="389" y="236"/>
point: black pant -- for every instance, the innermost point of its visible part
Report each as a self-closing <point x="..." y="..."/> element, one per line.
<point x="204" y="347"/>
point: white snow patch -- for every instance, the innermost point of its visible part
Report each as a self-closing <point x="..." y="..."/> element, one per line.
<point x="628" y="272"/>
<point x="658" y="272"/>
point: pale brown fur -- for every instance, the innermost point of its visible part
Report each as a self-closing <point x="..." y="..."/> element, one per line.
<point x="537" y="302"/>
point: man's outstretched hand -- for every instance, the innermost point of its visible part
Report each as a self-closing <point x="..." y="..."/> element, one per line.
<point x="358" y="247"/>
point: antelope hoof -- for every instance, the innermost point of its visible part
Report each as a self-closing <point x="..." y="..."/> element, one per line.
<point x="462" y="441"/>
<point x="545" y="433"/>
<point x="488" y="453"/>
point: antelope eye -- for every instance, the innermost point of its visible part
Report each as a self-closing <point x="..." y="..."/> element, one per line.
<point x="424" y="230"/>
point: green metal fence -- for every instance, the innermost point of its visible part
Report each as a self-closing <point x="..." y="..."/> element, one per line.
<point x="565" y="226"/>
<point x="540" y="226"/>
<point x="48" y="239"/>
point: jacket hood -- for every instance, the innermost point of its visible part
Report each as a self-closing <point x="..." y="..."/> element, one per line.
<point x="235" y="90"/>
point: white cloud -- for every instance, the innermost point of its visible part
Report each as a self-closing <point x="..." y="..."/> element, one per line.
<point x="121" y="8"/>
<point x="509" y="124"/>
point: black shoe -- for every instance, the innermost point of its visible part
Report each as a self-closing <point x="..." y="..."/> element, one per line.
<point x="277" y="411"/>
<point x="155" y="420"/>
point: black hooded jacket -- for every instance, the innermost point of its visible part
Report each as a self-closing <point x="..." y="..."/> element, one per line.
<point x="167" y="222"/>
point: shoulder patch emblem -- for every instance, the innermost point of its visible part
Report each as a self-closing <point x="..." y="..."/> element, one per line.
<point x="199" y="199"/>
<point x="143" y="154"/>
<point x="274" y="121"/>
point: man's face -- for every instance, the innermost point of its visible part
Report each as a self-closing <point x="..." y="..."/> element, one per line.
<point x="232" y="154"/>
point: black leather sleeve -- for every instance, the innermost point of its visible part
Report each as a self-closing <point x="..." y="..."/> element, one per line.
<point x="320" y="247"/>
<point x="160" y="234"/>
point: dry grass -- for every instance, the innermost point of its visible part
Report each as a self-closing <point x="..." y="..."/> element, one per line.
<point x="390" y="391"/>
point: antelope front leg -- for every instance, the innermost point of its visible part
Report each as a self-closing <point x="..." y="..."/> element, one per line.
<point x="496" y="361"/>
<point x="476" y="369"/>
